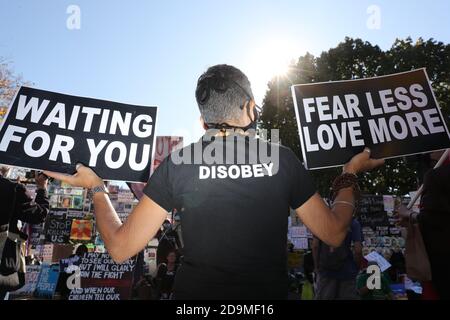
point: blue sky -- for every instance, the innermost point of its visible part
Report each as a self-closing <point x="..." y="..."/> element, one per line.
<point x="152" y="52"/>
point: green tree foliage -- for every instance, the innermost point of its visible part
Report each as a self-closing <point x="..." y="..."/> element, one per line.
<point x="353" y="59"/>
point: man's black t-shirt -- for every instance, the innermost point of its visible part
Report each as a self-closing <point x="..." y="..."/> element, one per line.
<point x="234" y="217"/>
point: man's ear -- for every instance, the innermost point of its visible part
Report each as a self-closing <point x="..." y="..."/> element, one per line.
<point x="248" y="107"/>
<point x="203" y="124"/>
<point x="252" y="107"/>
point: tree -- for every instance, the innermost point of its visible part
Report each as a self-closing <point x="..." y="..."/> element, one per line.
<point x="353" y="59"/>
<point x="9" y="83"/>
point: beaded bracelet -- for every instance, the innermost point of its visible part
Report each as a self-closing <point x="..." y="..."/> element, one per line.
<point x="345" y="180"/>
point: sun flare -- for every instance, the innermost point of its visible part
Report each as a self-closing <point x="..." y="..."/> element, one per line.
<point x="270" y="60"/>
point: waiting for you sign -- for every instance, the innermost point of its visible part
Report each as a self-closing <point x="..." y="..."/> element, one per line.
<point x="52" y="131"/>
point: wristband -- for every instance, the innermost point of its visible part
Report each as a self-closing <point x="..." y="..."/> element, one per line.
<point x="94" y="190"/>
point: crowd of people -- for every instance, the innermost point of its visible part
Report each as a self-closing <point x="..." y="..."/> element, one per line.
<point x="341" y="273"/>
<point x="328" y="273"/>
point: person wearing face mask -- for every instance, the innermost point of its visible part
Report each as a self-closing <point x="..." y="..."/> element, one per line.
<point x="233" y="190"/>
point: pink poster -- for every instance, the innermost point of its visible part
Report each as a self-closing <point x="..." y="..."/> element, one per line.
<point x="165" y="145"/>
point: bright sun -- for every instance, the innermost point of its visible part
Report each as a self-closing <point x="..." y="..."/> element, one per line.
<point x="269" y="60"/>
<point x="276" y="61"/>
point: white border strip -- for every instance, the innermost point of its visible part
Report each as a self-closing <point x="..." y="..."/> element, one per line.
<point x="300" y="132"/>
<point x="435" y="101"/>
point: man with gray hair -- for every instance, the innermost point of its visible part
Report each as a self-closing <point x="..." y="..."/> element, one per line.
<point x="234" y="213"/>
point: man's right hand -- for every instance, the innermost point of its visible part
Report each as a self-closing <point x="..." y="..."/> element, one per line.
<point x="41" y="181"/>
<point x="84" y="177"/>
<point x="362" y="162"/>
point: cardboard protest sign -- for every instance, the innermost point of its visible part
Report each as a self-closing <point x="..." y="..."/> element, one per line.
<point x="394" y="115"/>
<point x="165" y="145"/>
<point x="57" y="229"/>
<point x="103" y="279"/>
<point x="47" y="281"/>
<point x="53" y="131"/>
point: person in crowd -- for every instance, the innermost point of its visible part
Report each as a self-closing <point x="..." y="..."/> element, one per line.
<point x="66" y="202"/>
<point x="61" y="286"/>
<point x="308" y="266"/>
<point x="434" y="222"/>
<point x="397" y="262"/>
<point x="18" y="207"/>
<point x="226" y="254"/>
<point x="168" y="241"/>
<point x="166" y="275"/>
<point x="143" y="289"/>
<point x="337" y="268"/>
<point x="383" y="293"/>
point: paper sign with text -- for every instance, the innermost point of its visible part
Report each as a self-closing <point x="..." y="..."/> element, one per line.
<point x="53" y="131"/>
<point x="394" y="115"/>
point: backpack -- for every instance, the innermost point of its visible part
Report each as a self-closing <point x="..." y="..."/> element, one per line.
<point x="12" y="260"/>
<point x="333" y="259"/>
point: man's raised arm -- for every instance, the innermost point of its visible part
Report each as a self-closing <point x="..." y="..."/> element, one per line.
<point x="122" y="240"/>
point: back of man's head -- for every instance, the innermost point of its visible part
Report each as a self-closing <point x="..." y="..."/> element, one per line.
<point x="221" y="94"/>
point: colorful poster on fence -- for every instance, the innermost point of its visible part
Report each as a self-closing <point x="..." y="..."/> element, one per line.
<point x="31" y="279"/>
<point x="81" y="230"/>
<point x="47" y="281"/>
<point x="394" y="115"/>
<point x="54" y="131"/>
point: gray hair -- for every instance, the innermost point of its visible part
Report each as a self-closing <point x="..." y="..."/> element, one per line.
<point x="221" y="92"/>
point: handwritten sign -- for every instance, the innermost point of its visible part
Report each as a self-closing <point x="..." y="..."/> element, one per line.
<point x="103" y="279"/>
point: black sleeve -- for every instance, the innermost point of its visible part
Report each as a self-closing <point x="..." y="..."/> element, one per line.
<point x="302" y="183"/>
<point x="162" y="269"/>
<point x="159" y="186"/>
<point x="29" y="211"/>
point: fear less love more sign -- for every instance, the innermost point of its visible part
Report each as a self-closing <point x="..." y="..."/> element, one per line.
<point x="52" y="131"/>
<point x="394" y="115"/>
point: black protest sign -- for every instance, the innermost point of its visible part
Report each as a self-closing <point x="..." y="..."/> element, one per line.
<point x="57" y="229"/>
<point x="394" y="115"/>
<point x="53" y="131"/>
<point x="103" y="279"/>
<point x="371" y="212"/>
<point x="36" y="234"/>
